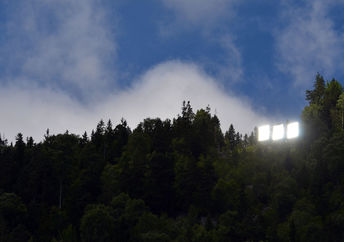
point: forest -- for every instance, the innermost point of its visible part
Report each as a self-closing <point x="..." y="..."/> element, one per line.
<point x="179" y="180"/>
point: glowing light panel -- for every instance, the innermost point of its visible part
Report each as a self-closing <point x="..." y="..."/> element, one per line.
<point x="264" y="133"/>
<point x="292" y="130"/>
<point x="278" y="132"/>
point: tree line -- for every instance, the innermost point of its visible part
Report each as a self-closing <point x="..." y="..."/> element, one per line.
<point x="179" y="180"/>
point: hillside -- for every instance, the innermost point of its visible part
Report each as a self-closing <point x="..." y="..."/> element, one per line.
<point x="179" y="180"/>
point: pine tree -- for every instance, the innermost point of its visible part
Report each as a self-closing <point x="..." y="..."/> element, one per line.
<point x="315" y="96"/>
<point x="230" y="138"/>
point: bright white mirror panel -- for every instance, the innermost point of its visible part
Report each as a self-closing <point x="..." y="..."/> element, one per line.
<point x="264" y="133"/>
<point x="292" y="130"/>
<point x="278" y="132"/>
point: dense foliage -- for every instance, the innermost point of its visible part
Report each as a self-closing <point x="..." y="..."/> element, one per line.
<point x="180" y="180"/>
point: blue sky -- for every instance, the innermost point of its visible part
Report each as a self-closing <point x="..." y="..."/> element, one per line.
<point x="65" y="64"/>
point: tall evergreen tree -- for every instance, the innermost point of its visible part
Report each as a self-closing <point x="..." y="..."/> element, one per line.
<point x="316" y="95"/>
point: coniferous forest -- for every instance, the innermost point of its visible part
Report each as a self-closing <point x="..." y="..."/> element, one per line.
<point x="179" y="180"/>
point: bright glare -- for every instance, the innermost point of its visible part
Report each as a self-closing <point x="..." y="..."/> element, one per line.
<point x="264" y="133"/>
<point x="292" y="130"/>
<point x="278" y="132"/>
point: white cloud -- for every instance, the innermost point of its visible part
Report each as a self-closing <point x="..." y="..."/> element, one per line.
<point x="161" y="90"/>
<point x="32" y="111"/>
<point x="158" y="93"/>
<point x="204" y="15"/>
<point x="309" y="43"/>
<point x="200" y="11"/>
<point x="232" y="68"/>
<point x="61" y="43"/>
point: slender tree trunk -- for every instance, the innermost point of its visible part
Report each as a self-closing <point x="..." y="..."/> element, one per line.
<point x="60" y="198"/>
<point x="104" y="151"/>
<point x="342" y="119"/>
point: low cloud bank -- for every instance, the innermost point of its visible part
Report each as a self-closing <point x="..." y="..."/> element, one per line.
<point x="157" y="93"/>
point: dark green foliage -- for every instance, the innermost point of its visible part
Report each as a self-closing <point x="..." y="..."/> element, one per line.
<point x="97" y="224"/>
<point x="161" y="195"/>
<point x="13" y="217"/>
<point x="230" y="138"/>
<point x="316" y="95"/>
<point x="180" y="180"/>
